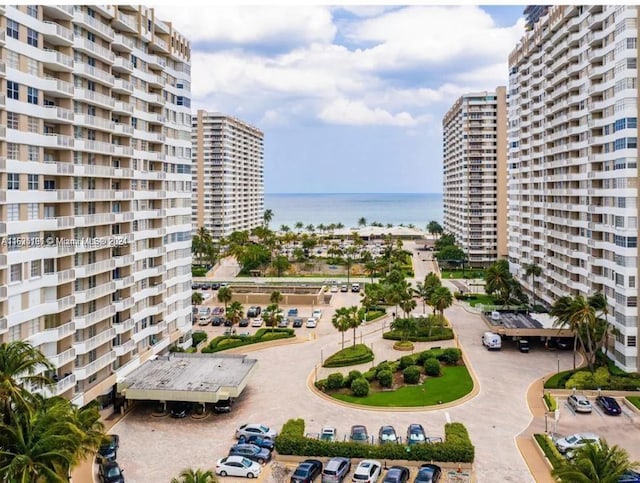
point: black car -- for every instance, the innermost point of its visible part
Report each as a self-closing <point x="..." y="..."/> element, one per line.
<point x="215" y="286"/>
<point x="523" y="345"/>
<point x="416" y="434"/>
<point x="307" y="471"/>
<point x="397" y="474"/>
<point x="195" y="286"/>
<point x="179" y="410"/>
<point x="223" y="406"/>
<point x="244" y="322"/>
<point x="217" y="321"/>
<point x="266" y="443"/>
<point x="428" y="473"/>
<point x="109" y="450"/>
<point x="110" y="472"/>
<point x="251" y="451"/>
<point x="297" y="322"/>
<point x="564" y="343"/>
<point x="228" y="322"/>
<point x="609" y="405"/>
<point x="205" y="286"/>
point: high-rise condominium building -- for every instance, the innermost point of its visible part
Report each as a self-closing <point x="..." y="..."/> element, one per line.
<point x="95" y="197"/>
<point x="228" y="184"/>
<point x="475" y="174"/>
<point x="573" y="161"/>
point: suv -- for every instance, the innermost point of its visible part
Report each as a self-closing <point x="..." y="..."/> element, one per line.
<point x="251" y="451"/>
<point x="579" y="403"/>
<point x="523" y="345"/>
<point x="108" y="451"/>
<point x="575" y="441"/>
<point x="359" y="434"/>
<point x="355" y="287"/>
<point x="253" y="311"/>
<point x="336" y="469"/>
<point x="223" y="405"/>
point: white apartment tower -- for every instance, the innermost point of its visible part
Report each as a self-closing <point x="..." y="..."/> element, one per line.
<point x="573" y="161"/>
<point x="228" y="174"/>
<point x="475" y="174"/>
<point x="95" y="197"/>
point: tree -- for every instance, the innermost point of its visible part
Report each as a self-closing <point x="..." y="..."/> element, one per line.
<point x="272" y="315"/>
<point x="350" y="252"/>
<point x="407" y="305"/>
<point x="196" y="298"/>
<point x="446" y="239"/>
<point x="235" y="312"/>
<point x="362" y="222"/>
<point x="441" y="299"/>
<point x="267" y="216"/>
<point x="340" y="321"/>
<point x="532" y="270"/>
<point x="499" y="281"/>
<point x="275" y="297"/>
<point x="434" y="228"/>
<point x="310" y="228"/>
<point x="355" y="318"/>
<point x="299" y="225"/>
<point x="406" y="326"/>
<point x="451" y="253"/>
<point x="280" y="263"/>
<point x="595" y="463"/>
<point x="225" y="295"/>
<point x="190" y="475"/>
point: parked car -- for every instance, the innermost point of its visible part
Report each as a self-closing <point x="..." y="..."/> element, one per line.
<point x="328" y="433"/>
<point x="217" y="321"/>
<point x="579" y="403"/>
<point x="243" y="323"/>
<point x="359" y="434"/>
<point x="564" y="343"/>
<point x="205" y="286"/>
<point x="336" y="469"/>
<point x="265" y="443"/>
<point x="204" y="320"/>
<point x="195" y="286"/>
<point x="355" y="287"/>
<point x="283" y="323"/>
<point x="523" y="345"/>
<point x="491" y="341"/>
<point x="609" y="405"/>
<point x="317" y="313"/>
<point x="253" y="311"/>
<point x="110" y="472"/>
<point x="311" y="323"/>
<point x="630" y="477"/>
<point x="397" y="474"/>
<point x="251" y="451"/>
<point x="179" y="410"/>
<point x="368" y="471"/>
<point x="218" y="310"/>
<point x="108" y="451"/>
<point x="416" y="434"/>
<point x="293" y="312"/>
<point x="428" y="473"/>
<point x="228" y="322"/>
<point x="307" y="471"/>
<point x="297" y="322"/>
<point x="223" y="406"/>
<point x="387" y="434"/>
<point x="256" y="429"/>
<point x="344" y="287"/>
<point x="257" y="322"/>
<point x="334" y="289"/>
<point x="238" y="466"/>
<point x="575" y="441"/>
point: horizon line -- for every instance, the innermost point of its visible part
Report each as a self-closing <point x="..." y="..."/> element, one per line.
<point x="353" y="193"/>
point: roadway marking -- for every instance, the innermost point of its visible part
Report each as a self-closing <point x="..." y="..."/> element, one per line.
<point x="447" y="416"/>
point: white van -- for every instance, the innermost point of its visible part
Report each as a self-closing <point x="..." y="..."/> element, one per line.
<point x="491" y="341"/>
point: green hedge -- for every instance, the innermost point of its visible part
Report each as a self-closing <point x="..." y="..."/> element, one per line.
<point x="457" y="446"/>
<point x="199" y="271"/>
<point x="350" y="356"/>
<point x="262" y="335"/>
<point x="198" y="337"/>
<point x="445" y="334"/>
<point x="549" y="449"/>
<point x="602" y="379"/>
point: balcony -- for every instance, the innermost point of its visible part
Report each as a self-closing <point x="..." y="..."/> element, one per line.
<point x="125" y="348"/>
<point x="83" y="372"/>
<point x="95" y="268"/>
<point x="66" y="303"/>
<point x="94" y="342"/>
<point x="94" y="73"/>
<point x="93" y="97"/>
<point x="120" y="150"/>
<point x="94" y="25"/>
<point x="52" y="335"/>
<point x="126" y="281"/>
<point x="3" y="101"/>
<point x="94" y="121"/>
<point x="59" y="114"/>
<point x="122" y="65"/>
<point x="60" y="387"/>
<point x="3" y="68"/>
<point x="63" y="358"/>
<point x="128" y="23"/>
<point x="123" y="129"/>
<point x="159" y="45"/>
<point x="123" y="304"/>
<point x="156" y="62"/>
<point x="95" y="50"/>
<point x="123" y="87"/>
<point x="122" y="43"/>
<point x="61" y="12"/>
<point x="84" y="296"/>
<point x="3" y="325"/>
<point x="88" y="320"/>
<point x="125" y="326"/>
<point x="122" y="108"/>
<point x="93" y="146"/>
<point x="56" y="61"/>
<point x="56" y="34"/>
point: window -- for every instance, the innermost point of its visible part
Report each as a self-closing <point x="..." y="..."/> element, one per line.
<point x="36" y="268"/>
<point x="134" y="61"/>
<point x="13" y="90"/>
<point x="13" y="59"/>
<point x="91" y="13"/>
<point x="33" y="153"/>
<point x="631" y="341"/>
<point x="91" y="61"/>
<point x="13" y="212"/>
<point x="32" y="95"/>
<point x="33" y="124"/>
<point x="32" y="37"/>
<point x="33" y="67"/>
<point x="32" y="211"/>
<point x="49" y="185"/>
<point x="12" y="28"/>
<point x="16" y="272"/>
<point x="33" y="182"/>
<point x="13" y="181"/>
<point x="91" y="36"/>
<point x="32" y="10"/>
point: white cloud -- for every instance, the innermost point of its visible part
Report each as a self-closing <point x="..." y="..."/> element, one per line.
<point x="344" y="111"/>
<point x="245" y="25"/>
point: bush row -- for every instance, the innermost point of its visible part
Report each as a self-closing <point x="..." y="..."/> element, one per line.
<point x="358" y="354"/>
<point x="262" y="335"/>
<point x="456" y="447"/>
<point x="198" y="337"/>
<point x="444" y="334"/>
<point x="549" y="449"/>
<point x="600" y="379"/>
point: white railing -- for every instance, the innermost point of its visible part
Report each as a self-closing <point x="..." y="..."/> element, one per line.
<point x="96" y="121"/>
<point x="124" y="85"/>
<point x="82" y="347"/>
<point x="61" y="113"/>
<point x="61" y="386"/>
<point x="66" y="303"/>
<point x="96" y="24"/>
<point x="123" y="327"/>
<point x="95" y="96"/>
<point x="63" y="358"/>
<point x="85" y="371"/>
<point x="97" y="49"/>
<point x="59" y="58"/>
<point x="128" y="20"/>
<point x="125" y="348"/>
<point x="123" y="107"/>
<point x="90" y="70"/>
<point x="53" y="28"/>
<point x="121" y="39"/>
<point x="88" y="320"/>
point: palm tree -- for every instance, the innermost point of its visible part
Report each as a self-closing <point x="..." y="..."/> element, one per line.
<point x="299" y="225"/>
<point x="362" y="222"/>
<point x="340" y="321"/>
<point x="407" y="305"/>
<point x="195" y="476"/>
<point x="225" y="295"/>
<point x="285" y="228"/>
<point x="20" y="363"/>
<point x="267" y="216"/>
<point x="196" y="298"/>
<point x="272" y="315"/>
<point x="532" y="270"/>
<point x="595" y="463"/>
<point x="355" y="318"/>
<point x="441" y="299"/>
<point x="425" y="290"/>
<point x="275" y="298"/>
<point x="499" y="280"/>
<point x="434" y="228"/>
<point x="349" y="252"/>
<point x="310" y="228"/>
<point x="235" y="312"/>
<point x="406" y="326"/>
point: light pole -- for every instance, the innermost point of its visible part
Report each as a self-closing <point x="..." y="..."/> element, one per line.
<point x="558" y="363"/>
<point x="321" y="357"/>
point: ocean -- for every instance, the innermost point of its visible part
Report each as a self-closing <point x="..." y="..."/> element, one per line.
<point x="417" y="209"/>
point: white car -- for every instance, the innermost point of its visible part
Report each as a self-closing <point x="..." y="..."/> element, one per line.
<point x="238" y="466"/>
<point x="252" y="429"/>
<point x="334" y="289"/>
<point x="575" y="441"/>
<point x="579" y="403"/>
<point x="257" y="322"/>
<point x="317" y="314"/>
<point x="368" y="471"/>
<point x="311" y="323"/>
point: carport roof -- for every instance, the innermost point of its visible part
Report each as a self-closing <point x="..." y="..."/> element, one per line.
<point x="189" y="377"/>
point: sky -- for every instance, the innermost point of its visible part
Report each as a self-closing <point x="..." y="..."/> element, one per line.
<point x="350" y="99"/>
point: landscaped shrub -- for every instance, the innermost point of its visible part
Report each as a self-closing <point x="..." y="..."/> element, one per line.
<point x="581" y="380"/>
<point x="350" y="356"/>
<point x="230" y="341"/>
<point x="335" y="381"/>
<point x="456" y="446"/>
<point x="430" y="354"/>
<point x="451" y="356"/>
<point x="370" y="375"/>
<point x="432" y="367"/>
<point x="601" y="377"/>
<point x="411" y="375"/>
<point x="549" y="449"/>
<point x="198" y="337"/>
<point x="437" y="334"/>
<point x="406" y="361"/>
<point x="383" y="366"/>
<point x="385" y="378"/>
<point x="321" y="384"/>
<point x="360" y="387"/>
<point x="352" y="376"/>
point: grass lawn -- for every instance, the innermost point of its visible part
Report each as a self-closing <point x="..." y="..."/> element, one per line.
<point x="459" y="273"/>
<point x="454" y="383"/>
<point x="481" y="298"/>
<point x="635" y="400"/>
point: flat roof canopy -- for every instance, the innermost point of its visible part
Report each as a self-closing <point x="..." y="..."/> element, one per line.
<point x="522" y="324"/>
<point x="199" y="378"/>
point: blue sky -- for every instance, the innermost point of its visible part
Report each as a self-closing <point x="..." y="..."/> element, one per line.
<point x="350" y="98"/>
